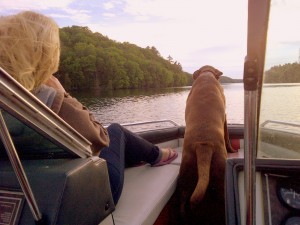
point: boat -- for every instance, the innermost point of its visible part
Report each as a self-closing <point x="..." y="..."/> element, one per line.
<point x="44" y="178"/>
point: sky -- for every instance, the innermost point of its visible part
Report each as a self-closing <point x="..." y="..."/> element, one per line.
<point x="193" y="32"/>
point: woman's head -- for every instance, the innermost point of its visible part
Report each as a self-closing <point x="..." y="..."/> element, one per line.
<point x="29" y="47"/>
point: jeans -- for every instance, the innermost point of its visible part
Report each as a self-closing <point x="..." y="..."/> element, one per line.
<point x="125" y="149"/>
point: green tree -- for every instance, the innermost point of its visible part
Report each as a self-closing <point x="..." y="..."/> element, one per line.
<point x="287" y="73"/>
<point x="91" y="60"/>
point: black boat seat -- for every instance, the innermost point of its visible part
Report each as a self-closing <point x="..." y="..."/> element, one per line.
<point x="64" y="190"/>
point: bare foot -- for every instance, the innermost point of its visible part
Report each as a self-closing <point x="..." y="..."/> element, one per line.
<point x="168" y="155"/>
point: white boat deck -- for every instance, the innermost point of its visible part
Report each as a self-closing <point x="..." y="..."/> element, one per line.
<point x="147" y="190"/>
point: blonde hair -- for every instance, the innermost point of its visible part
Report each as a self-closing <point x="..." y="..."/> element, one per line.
<point x="29" y="47"/>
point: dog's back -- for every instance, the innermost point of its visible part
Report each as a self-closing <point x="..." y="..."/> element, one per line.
<point x="205" y="109"/>
<point x="203" y="143"/>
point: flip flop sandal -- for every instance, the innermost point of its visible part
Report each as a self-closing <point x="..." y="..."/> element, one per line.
<point x="170" y="158"/>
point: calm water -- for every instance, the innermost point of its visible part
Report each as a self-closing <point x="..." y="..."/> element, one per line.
<point x="280" y="102"/>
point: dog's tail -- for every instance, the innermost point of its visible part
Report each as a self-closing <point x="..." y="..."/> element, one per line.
<point x="204" y="153"/>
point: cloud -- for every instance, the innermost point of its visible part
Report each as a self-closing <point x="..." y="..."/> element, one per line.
<point x="283" y="34"/>
<point x="173" y="27"/>
<point x="190" y="10"/>
<point x="193" y="32"/>
<point x="33" y="4"/>
<point x="78" y="15"/>
<point x="112" y="5"/>
<point x="180" y="30"/>
<point x="191" y="47"/>
<point x="108" y="15"/>
<point x="53" y="8"/>
<point x="108" y="5"/>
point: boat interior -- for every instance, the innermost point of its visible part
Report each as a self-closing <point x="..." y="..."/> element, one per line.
<point x="46" y="167"/>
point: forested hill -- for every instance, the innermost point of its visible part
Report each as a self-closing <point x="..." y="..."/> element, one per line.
<point x="91" y="60"/>
<point x="225" y="79"/>
<point x="287" y="73"/>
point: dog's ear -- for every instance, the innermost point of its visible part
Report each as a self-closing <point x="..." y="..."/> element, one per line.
<point x="207" y="68"/>
<point x="196" y="74"/>
<point x="218" y="73"/>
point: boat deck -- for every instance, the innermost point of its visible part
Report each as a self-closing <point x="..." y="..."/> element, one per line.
<point x="148" y="189"/>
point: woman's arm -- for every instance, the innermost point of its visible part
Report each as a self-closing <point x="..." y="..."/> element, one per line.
<point x="78" y="117"/>
<point x="82" y="120"/>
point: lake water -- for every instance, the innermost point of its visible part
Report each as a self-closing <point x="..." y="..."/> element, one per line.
<point x="280" y="102"/>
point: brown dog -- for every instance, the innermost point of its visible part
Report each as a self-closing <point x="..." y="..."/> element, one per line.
<point x="205" y="142"/>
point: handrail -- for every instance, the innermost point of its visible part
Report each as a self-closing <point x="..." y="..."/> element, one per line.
<point x="19" y="171"/>
<point x="19" y="102"/>
<point x="280" y="122"/>
<point x="148" y="122"/>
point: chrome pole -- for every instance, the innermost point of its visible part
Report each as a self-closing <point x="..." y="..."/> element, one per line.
<point x="258" y="16"/>
<point x="250" y="155"/>
<point x="18" y="169"/>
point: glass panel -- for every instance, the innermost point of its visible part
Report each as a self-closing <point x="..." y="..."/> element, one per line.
<point x="29" y="143"/>
<point x="279" y="135"/>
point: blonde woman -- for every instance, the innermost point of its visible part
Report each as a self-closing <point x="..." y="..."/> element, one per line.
<point x="29" y="52"/>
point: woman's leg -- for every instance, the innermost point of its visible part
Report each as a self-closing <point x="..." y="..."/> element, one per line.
<point x="125" y="148"/>
<point x="114" y="155"/>
<point x="138" y="149"/>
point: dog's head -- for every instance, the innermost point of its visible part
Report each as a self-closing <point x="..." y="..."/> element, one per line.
<point x="207" y="68"/>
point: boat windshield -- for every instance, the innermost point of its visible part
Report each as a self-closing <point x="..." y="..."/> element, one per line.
<point x="279" y="129"/>
<point x="28" y="142"/>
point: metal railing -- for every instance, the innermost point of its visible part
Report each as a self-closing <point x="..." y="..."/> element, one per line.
<point x="284" y="127"/>
<point x="151" y="122"/>
<point x="19" y="171"/>
<point x="149" y="128"/>
<point x="279" y="122"/>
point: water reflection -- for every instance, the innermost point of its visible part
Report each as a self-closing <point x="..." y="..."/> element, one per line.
<point x="280" y="121"/>
<point x="280" y="102"/>
<point x="234" y="94"/>
<point x="127" y="106"/>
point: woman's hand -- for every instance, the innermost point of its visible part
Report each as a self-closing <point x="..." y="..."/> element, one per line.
<point x="54" y="82"/>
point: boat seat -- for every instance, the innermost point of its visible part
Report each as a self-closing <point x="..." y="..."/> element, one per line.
<point x="145" y="193"/>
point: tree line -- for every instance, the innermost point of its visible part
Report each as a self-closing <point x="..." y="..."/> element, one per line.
<point x="91" y="60"/>
<point x="287" y="73"/>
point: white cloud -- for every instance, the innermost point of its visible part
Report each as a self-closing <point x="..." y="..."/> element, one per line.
<point x="189" y="10"/>
<point x="181" y="29"/>
<point x="33" y="4"/>
<point x="193" y="32"/>
<point x="108" y="5"/>
<point x="178" y="28"/>
<point x="64" y="6"/>
<point x="108" y="15"/>
<point x="80" y="16"/>
<point x="283" y="36"/>
<point x="284" y="21"/>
